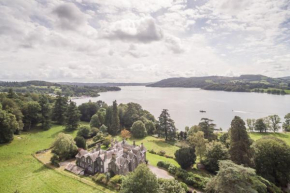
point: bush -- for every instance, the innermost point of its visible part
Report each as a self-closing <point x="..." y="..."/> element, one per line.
<point x="100" y="178"/>
<point x="161" y="153"/>
<point x="196" y="181"/>
<point x="152" y="151"/>
<point x="172" y="169"/>
<point x="80" y="142"/>
<point x="185" y="157"/>
<point x="181" y="174"/>
<point x="184" y="186"/>
<point x="94" y="131"/>
<point x="160" y="164"/>
<point x="98" y="137"/>
<point x="55" y="160"/>
<point x="84" y="131"/>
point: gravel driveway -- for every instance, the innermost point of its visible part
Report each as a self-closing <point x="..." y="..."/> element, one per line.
<point x="160" y="173"/>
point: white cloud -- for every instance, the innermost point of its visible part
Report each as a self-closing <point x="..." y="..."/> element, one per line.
<point x="141" y="41"/>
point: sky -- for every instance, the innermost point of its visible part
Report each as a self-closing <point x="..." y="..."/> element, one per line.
<point x="142" y="41"/>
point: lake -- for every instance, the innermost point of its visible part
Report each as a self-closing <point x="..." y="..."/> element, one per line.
<point x="184" y="104"/>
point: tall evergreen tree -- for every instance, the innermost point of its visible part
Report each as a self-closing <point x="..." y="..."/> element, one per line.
<point x="31" y="114"/>
<point x="166" y="126"/>
<point x="207" y="127"/>
<point x="240" y="143"/>
<point x="59" y="109"/>
<point x="45" y="112"/>
<point x="72" y="117"/>
<point x="11" y="94"/>
<point x="114" y="129"/>
<point x="108" y="117"/>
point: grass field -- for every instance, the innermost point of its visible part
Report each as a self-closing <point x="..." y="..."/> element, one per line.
<point x="19" y="170"/>
<point x="284" y="136"/>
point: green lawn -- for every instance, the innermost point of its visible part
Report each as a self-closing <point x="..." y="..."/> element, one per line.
<point x="156" y="144"/>
<point x="284" y="136"/>
<point x="21" y="171"/>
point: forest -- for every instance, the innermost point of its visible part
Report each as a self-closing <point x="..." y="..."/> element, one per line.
<point x="42" y="87"/>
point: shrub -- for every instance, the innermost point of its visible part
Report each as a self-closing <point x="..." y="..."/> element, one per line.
<point x="152" y="151"/>
<point x="98" y="137"/>
<point x="100" y="178"/>
<point x="84" y="131"/>
<point x="181" y="174"/>
<point x="117" y="179"/>
<point x="184" y="186"/>
<point x="80" y="142"/>
<point x="196" y="181"/>
<point x="172" y="169"/>
<point x="107" y="141"/>
<point x="161" y="153"/>
<point x="55" y="160"/>
<point x="185" y="157"/>
<point x="160" y="164"/>
<point x="94" y="131"/>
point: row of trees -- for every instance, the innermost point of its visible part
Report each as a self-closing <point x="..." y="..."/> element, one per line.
<point x="271" y="123"/>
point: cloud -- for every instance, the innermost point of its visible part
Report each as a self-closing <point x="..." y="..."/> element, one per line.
<point x="144" y="30"/>
<point x="174" y="44"/>
<point x="69" y="16"/>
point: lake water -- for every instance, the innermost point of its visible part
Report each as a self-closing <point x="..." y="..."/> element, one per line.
<point x="184" y="104"/>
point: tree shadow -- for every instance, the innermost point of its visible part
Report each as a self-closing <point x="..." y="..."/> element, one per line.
<point x="40" y="169"/>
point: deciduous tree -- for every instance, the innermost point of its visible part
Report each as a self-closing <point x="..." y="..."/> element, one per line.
<point x="275" y="120"/>
<point x="138" y="129"/>
<point x="64" y="146"/>
<point x="198" y="141"/>
<point x="272" y="160"/>
<point x="8" y="126"/>
<point x="141" y="180"/>
<point x="125" y="134"/>
<point x="185" y="157"/>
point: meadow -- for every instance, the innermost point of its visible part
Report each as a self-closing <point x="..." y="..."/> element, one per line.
<point x="21" y="172"/>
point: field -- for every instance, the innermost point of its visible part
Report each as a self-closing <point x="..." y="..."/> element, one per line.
<point x="284" y="136"/>
<point x="21" y="171"/>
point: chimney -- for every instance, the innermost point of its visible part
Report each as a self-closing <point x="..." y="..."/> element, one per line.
<point x="142" y="147"/>
<point x="134" y="143"/>
<point x="123" y="141"/>
<point x="105" y="155"/>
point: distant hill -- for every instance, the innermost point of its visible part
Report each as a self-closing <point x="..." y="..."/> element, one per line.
<point x="285" y="78"/>
<point x="243" y="83"/>
<point x="43" y="87"/>
<point x="103" y="84"/>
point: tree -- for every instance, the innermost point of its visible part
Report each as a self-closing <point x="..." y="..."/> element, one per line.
<point x="45" y="112"/>
<point x="95" y="121"/>
<point x="72" y="117"/>
<point x="207" y="127"/>
<point x="240" y="143"/>
<point x="104" y="129"/>
<point x="166" y="126"/>
<point x="8" y="125"/>
<point x="198" y="141"/>
<point x="133" y="113"/>
<point x="64" y="146"/>
<point x="260" y="125"/>
<point x="239" y="179"/>
<point x="114" y="128"/>
<point x="31" y="114"/>
<point x="251" y="124"/>
<point x="84" y="131"/>
<point x="224" y="139"/>
<point x="193" y="129"/>
<point x="272" y="160"/>
<point x="286" y="124"/>
<point x="87" y="110"/>
<point x="185" y="157"/>
<point x="11" y="94"/>
<point x="125" y="134"/>
<point x="10" y="106"/>
<point x="215" y="151"/>
<point x="138" y="129"/>
<point x="150" y="127"/>
<point x="80" y="142"/>
<point x="170" y="186"/>
<point x="275" y="120"/>
<point x="141" y="180"/>
<point x="59" y="109"/>
<point x="108" y="117"/>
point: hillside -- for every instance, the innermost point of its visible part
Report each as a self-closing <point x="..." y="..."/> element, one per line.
<point x="243" y="83"/>
<point x="43" y="87"/>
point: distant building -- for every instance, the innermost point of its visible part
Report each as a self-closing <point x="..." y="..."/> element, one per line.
<point x="120" y="158"/>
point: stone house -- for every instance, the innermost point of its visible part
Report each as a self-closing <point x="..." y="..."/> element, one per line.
<point x="120" y="158"/>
